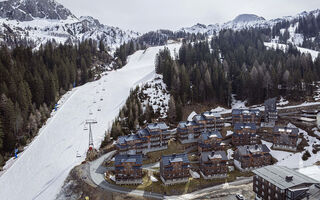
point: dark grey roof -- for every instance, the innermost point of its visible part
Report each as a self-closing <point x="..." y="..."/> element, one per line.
<point x="137" y="159"/>
<point x="143" y="133"/>
<point x="289" y="130"/>
<point x="210" y="114"/>
<point x="127" y="138"/>
<point x="239" y="126"/>
<point x="166" y="160"/>
<point x="185" y="124"/>
<point x="205" y="156"/>
<point x="159" y="125"/>
<point x="276" y="175"/>
<point x="245" y="111"/>
<point x="198" y="117"/>
<point x="207" y="135"/>
<point x="252" y="149"/>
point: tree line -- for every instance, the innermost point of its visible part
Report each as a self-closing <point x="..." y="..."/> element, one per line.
<point x="236" y="62"/>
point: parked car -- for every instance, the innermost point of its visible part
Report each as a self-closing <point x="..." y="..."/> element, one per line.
<point x="240" y="197"/>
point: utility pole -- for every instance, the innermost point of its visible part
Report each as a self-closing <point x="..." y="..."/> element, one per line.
<point x="90" y="121"/>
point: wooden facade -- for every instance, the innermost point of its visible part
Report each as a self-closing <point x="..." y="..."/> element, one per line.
<point x="153" y="138"/>
<point x="189" y="131"/>
<point x="174" y="169"/>
<point x="244" y="134"/>
<point x="209" y="141"/>
<point x="249" y="157"/>
<point x="285" y="138"/>
<point x="213" y="164"/>
<point x="246" y="116"/>
<point x="128" y="169"/>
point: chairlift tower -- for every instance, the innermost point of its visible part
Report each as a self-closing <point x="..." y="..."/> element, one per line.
<point x="90" y="121"/>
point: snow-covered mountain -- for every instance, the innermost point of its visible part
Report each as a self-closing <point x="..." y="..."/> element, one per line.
<point x="243" y="21"/>
<point x="35" y="22"/>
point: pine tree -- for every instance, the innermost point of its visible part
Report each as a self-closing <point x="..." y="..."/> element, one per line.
<point x="101" y="46"/>
<point x="172" y="115"/>
<point x="1" y="137"/>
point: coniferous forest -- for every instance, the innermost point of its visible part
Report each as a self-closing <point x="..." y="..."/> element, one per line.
<point x="31" y="82"/>
<point x="236" y="63"/>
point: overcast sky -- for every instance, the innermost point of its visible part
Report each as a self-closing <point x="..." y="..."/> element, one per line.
<point x="146" y="15"/>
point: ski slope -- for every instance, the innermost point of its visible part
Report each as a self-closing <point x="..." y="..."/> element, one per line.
<point x="41" y="169"/>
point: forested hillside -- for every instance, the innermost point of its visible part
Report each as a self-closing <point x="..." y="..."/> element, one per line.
<point x="236" y="62"/>
<point x="32" y="81"/>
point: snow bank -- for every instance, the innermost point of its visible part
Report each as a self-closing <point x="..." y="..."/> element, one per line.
<point x="40" y="171"/>
<point x="294" y="160"/>
<point x="283" y="47"/>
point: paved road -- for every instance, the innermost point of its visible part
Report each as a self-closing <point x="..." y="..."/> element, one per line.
<point x="96" y="172"/>
<point x="97" y="176"/>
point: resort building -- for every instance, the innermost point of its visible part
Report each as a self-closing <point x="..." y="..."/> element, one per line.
<point x="281" y="183"/>
<point x="210" y="141"/>
<point x="246" y="116"/>
<point x="128" y="169"/>
<point x="154" y="137"/>
<point x="174" y="169"/>
<point x="285" y="138"/>
<point x="249" y="157"/>
<point x="244" y="134"/>
<point x="213" y="164"/>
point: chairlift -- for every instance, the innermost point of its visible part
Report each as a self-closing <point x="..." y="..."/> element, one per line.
<point x="85" y="127"/>
<point x="78" y="155"/>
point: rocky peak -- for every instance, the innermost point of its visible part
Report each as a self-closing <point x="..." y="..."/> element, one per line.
<point x="27" y="10"/>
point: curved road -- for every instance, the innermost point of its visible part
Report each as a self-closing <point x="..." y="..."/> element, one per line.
<point x="96" y="172"/>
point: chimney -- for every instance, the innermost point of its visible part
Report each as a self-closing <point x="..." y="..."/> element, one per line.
<point x="289" y="178"/>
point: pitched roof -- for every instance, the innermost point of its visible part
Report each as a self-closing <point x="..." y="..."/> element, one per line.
<point x="277" y="175"/>
<point x="137" y="159"/>
<point x="166" y="160"/>
<point x="240" y="126"/>
<point x="127" y="138"/>
<point x="159" y="125"/>
<point x="245" y="111"/>
<point x="198" y="117"/>
<point x="289" y="130"/>
<point x="207" y="135"/>
<point x="252" y="149"/>
<point x="205" y="156"/>
<point x="185" y="124"/>
<point x="210" y="114"/>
